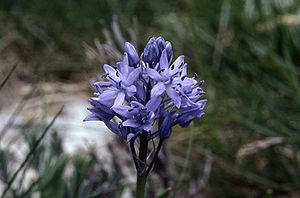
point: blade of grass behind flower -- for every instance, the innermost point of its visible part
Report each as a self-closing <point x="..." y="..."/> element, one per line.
<point x="31" y="152"/>
<point x="5" y="79"/>
<point x="186" y="162"/>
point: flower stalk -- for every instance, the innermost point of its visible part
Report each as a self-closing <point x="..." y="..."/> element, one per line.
<point x="142" y="176"/>
<point x="146" y="91"/>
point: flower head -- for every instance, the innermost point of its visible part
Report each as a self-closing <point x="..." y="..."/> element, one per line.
<point x="149" y="94"/>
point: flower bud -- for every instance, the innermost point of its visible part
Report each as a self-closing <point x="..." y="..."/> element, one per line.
<point x="160" y="41"/>
<point x="169" y="50"/>
<point x="133" y="57"/>
<point x="151" y="51"/>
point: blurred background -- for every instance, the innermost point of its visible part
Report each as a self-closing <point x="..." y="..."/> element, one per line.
<point x="247" y="52"/>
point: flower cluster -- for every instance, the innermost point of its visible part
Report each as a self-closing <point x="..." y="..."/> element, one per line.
<point x="149" y="94"/>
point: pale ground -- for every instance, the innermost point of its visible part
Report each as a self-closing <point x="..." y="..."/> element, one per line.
<point x="77" y="136"/>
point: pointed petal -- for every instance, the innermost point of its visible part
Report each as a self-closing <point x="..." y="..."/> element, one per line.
<point x="153" y="103"/>
<point x="102" y="85"/>
<point x="108" y="96"/>
<point x="133" y="75"/>
<point x="122" y="68"/>
<point x="169" y="51"/>
<point x="164" y="125"/>
<point x="124" y="111"/>
<point x="101" y="111"/>
<point x="125" y="59"/>
<point x="178" y="61"/>
<point x="174" y="96"/>
<point x="140" y="90"/>
<point x="131" y="123"/>
<point x="91" y="117"/>
<point x="158" y="89"/>
<point x="184" y="70"/>
<point x="113" y="127"/>
<point x="154" y="74"/>
<point x="119" y="99"/>
<point x="111" y="72"/>
<point x="160" y="41"/>
<point x="202" y="103"/>
<point x="133" y="56"/>
<point x="164" y="60"/>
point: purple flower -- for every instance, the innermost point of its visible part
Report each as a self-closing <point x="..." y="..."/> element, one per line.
<point x="167" y="78"/>
<point x="189" y="113"/>
<point x="165" y="121"/>
<point x="120" y="83"/>
<point x="99" y="111"/>
<point x="151" y="51"/>
<point x="133" y="57"/>
<point x="154" y="48"/>
<point x="144" y="96"/>
<point x="144" y="92"/>
<point x="137" y="115"/>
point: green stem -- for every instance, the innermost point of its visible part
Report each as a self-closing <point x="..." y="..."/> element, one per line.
<point x="141" y="176"/>
<point x="140" y="186"/>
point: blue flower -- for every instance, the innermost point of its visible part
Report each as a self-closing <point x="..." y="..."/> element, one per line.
<point x="137" y="115"/>
<point x="151" y="51"/>
<point x="133" y="57"/>
<point x="149" y="94"/>
<point x="120" y="83"/>
<point x="189" y="113"/>
<point x="99" y="111"/>
<point x="167" y="78"/>
<point x="154" y="48"/>
<point x="165" y="121"/>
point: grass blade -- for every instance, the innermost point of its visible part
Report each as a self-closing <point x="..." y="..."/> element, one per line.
<point x="3" y="82"/>
<point x="31" y="152"/>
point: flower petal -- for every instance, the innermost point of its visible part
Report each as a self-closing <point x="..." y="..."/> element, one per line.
<point x="164" y="124"/>
<point x="91" y="117"/>
<point x="111" y="72"/>
<point x="131" y="123"/>
<point x="178" y="61"/>
<point x="123" y="66"/>
<point x="158" y="89"/>
<point x="174" y="96"/>
<point x="140" y="91"/>
<point x="184" y="70"/>
<point x="119" y="99"/>
<point x="124" y="111"/>
<point x="154" y="74"/>
<point x="133" y="75"/>
<point x="151" y="51"/>
<point x="147" y="127"/>
<point x="114" y="128"/>
<point x="169" y="51"/>
<point x="130" y="91"/>
<point x="164" y="60"/>
<point x="108" y="96"/>
<point x="136" y="104"/>
<point x="99" y="111"/>
<point x="153" y="103"/>
<point x="133" y="56"/>
<point x="101" y="86"/>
